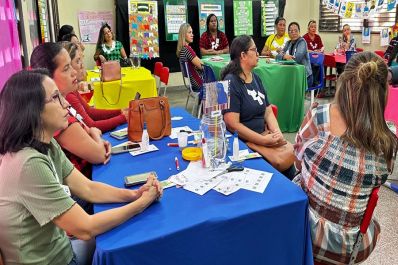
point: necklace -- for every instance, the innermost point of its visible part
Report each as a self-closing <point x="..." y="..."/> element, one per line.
<point x="106" y="49"/>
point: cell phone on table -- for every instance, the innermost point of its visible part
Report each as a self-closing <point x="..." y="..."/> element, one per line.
<point x="125" y="148"/>
<point x="138" y="178"/>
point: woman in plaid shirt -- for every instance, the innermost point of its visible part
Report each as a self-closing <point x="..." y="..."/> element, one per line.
<point x="344" y="150"/>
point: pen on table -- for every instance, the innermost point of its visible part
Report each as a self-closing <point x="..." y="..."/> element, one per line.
<point x="177" y="163"/>
<point x="172" y="144"/>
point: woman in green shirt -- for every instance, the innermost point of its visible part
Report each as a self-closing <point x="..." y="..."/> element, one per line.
<point x="36" y="179"/>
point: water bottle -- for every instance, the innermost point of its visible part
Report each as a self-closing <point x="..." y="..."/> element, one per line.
<point x="144" y="139"/>
<point x="235" y="147"/>
<point x="213" y="131"/>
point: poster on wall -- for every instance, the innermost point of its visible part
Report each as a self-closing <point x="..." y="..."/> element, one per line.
<point x="43" y="17"/>
<point x="269" y="12"/>
<point x="366" y="35"/>
<point x="207" y="7"/>
<point x="384" y="39"/>
<point x="391" y="4"/>
<point x="90" y="23"/>
<point x="175" y="14"/>
<point x="243" y="17"/>
<point x="143" y="23"/>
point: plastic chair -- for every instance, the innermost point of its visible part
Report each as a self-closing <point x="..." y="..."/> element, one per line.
<point x="317" y="59"/>
<point x="380" y="53"/>
<point x="209" y="75"/>
<point x="330" y="62"/>
<point x="164" y="79"/>
<point x="348" y="55"/>
<point x="274" y="110"/>
<point x="156" y="73"/>
<point x="191" y="94"/>
<point x="367" y="217"/>
<point x="359" y="49"/>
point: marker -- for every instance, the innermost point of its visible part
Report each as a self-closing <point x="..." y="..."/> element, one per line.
<point x="177" y="163"/>
<point x="172" y="144"/>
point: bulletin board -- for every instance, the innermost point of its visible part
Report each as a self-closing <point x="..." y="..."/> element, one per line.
<point x="243" y="17"/>
<point x="143" y="24"/>
<point x="90" y="23"/>
<point x="175" y="14"/>
<point x="207" y="7"/>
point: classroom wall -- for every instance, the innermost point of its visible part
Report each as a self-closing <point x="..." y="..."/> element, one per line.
<point x="68" y="11"/>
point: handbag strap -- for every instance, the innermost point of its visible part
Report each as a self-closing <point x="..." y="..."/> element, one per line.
<point x="162" y="108"/>
<point x="118" y="98"/>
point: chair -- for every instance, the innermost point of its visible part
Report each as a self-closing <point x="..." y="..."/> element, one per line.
<point x="380" y="53"/>
<point x="274" y="110"/>
<point x="209" y="75"/>
<point x="348" y="55"/>
<point x="359" y="49"/>
<point x="330" y="62"/>
<point x="317" y="59"/>
<point x="164" y="79"/>
<point x="156" y="73"/>
<point x="367" y="217"/>
<point x="195" y="95"/>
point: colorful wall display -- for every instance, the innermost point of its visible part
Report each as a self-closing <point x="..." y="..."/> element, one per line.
<point x="358" y="9"/>
<point x="144" y="33"/>
<point x="243" y="17"/>
<point x="43" y="16"/>
<point x="207" y="7"/>
<point x="90" y="23"/>
<point x="269" y="12"/>
<point x="175" y="14"/>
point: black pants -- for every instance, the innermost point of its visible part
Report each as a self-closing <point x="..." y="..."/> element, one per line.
<point x="290" y="173"/>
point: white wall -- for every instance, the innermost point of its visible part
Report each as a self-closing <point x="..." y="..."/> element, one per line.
<point x="68" y="11"/>
<point x="302" y="11"/>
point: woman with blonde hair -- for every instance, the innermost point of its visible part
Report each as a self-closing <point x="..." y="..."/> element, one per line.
<point x="344" y="150"/>
<point x="187" y="55"/>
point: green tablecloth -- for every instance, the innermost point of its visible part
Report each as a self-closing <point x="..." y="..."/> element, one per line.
<point x="285" y="86"/>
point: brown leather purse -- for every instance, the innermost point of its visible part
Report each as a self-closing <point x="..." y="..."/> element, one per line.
<point x="155" y="112"/>
<point x="111" y="71"/>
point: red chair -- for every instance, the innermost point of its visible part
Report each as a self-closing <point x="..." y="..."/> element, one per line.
<point x="367" y="217"/>
<point x="164" y="79"/>
<point x="380" y="53"/>
<point x="359" y="49"/>
<point x="274" y="110"/>
<point x="156" y="73"/>
<point x="330" y="62"/>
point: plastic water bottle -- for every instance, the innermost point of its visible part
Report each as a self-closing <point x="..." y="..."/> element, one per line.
<point x="235" y="147"/>
<point x="144" y="139"/>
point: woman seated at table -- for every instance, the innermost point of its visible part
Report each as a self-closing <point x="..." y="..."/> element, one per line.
<point x="83" y="145"/>
<point x="213" y="41"/>
<point x="109" y="49"/>
<point x="344" y="150"/>
<point x="276" y="42"/>
<point x="105" y="120"/>
<point x="37" y="180"/>
<point x="296" y="49"/>
<point x="347" y="40"/>
<point x="186" y="54"/>
<point x="250" y="113"/>
<point x="314" y="41"/>
<point x="73" y="38"/>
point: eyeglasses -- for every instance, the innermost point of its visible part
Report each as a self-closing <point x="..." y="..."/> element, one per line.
<point x="57" y="96"/>
<point x="293" y="31"/>
<point x="254" y="49"/>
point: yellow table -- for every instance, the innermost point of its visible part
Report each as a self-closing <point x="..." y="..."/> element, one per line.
<point x="112" y="96"/>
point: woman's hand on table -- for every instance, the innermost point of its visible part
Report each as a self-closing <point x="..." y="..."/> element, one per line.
<point x="288" y="57"/>
<point x="108" y="150"/>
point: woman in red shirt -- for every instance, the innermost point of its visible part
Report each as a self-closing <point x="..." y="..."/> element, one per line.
<point x="314" y="41"/>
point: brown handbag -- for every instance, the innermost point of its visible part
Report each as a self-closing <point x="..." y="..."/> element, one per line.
<point x="155" y="112"/>
<point x="111" y="71"/>
<point x="280" y="157"/>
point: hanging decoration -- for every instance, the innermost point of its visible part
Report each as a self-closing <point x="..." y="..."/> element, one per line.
<point x="358" y="9"/>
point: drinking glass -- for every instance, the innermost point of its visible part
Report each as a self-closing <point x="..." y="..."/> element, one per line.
<point x="135" y="61"/>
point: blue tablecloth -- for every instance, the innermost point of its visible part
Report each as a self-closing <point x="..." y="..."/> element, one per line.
<point x="184" y="228"/>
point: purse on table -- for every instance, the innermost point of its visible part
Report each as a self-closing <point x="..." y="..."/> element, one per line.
<point x="155" y="112"/>
<point x="111" y="71"/>
<point x="280" y="157"/>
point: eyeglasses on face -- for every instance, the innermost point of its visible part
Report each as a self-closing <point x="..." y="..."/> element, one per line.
<point x="293" y="31"/>
<point x="254" y="49"/>
<point x="57" y="96"/>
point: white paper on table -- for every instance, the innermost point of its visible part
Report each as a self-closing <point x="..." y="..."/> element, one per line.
<point x="256" y="180"/>
<point x="176" y="130"/>
<point x="201" y="187"/>
<point x="230" y="183"/>
<point x="244" y="154"/>
<point x="176" y="118"/>
<point x="150" y="148"/>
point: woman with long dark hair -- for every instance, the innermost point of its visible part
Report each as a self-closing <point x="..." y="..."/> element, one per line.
<point x="37" y="180"/>
<point x="213" y="41"/>
<point x="344" y="150"/>
<point x="108" y="49"/>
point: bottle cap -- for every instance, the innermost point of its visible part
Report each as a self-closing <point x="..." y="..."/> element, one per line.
<point x="192" y="153"/>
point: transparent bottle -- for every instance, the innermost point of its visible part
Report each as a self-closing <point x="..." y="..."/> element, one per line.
<point x="144" y="139"/>
<point x="213" y="130"/>
<point x="135" y="60"/>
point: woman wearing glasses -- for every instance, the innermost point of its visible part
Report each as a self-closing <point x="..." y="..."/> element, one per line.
<point x="37" y="179"/>
<point x="296" y="49"/>
<point x="250" y="113"/>
<point x="83" y="145"/>
<point x="104" y="120"/>
<point x="276" y="42"/>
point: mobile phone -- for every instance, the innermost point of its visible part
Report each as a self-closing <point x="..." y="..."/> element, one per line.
<point x="138" y="178"/>
<point x="125" y="148"/>
<point x="119" y="134"/>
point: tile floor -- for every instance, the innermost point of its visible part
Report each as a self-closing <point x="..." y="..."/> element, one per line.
<point x="386" y="211"/>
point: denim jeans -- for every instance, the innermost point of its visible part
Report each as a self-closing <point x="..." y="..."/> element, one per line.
<point x="83" y="251"/>
<point x="74" y="260"/>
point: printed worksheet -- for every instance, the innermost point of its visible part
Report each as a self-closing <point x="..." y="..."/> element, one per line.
<point x="255" y="180"/>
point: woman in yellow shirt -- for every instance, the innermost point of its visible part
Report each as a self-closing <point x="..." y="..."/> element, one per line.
<point x="276" y="42"/>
